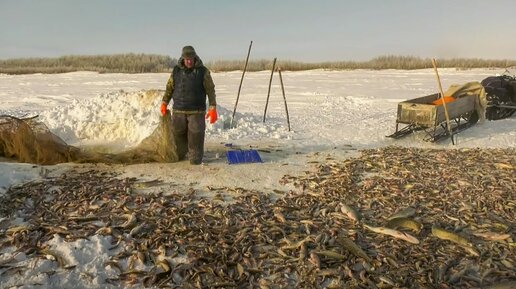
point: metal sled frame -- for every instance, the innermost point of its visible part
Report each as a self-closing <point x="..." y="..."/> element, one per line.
<point x="420" y="114"/>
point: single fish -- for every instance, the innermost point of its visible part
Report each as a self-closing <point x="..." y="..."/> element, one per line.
<point x="315" y="260"/>
<point x="492" y="236"/>
<point x="394" y="233"/>
<point x="455" y="238"/>
<point x="404" y="223"/>
<point x="137" y="230"/>
<point x="349" y="245"/>
<point x="404" y="213"/>
<point x="331" y="254"/>
<point x="280" y="216"/>
<point x="350" y="212"/>
<point x="450" y="236"/>
<point x="131" y="221"/>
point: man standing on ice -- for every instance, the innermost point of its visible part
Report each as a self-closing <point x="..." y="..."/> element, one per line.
<point x="188" y="86"/>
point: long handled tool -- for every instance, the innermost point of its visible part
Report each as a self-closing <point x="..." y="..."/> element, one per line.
<point x="434" y="63"/>
<point x="269" y="92"/>
<point x="240" y="86"/>
<point x="284" y="97"/>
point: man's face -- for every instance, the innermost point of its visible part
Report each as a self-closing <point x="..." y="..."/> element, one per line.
<point x="189" y="62"/>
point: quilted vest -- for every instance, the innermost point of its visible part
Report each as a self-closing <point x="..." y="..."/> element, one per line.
<point x="189" y="93"/>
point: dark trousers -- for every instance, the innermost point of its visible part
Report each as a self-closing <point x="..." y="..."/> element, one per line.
<point x="188" y="130"/>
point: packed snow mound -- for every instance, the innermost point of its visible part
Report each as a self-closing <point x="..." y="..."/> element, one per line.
<point x="123" y="118"/>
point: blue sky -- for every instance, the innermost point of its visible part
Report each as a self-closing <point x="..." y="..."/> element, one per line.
<point x="299" y="30"/>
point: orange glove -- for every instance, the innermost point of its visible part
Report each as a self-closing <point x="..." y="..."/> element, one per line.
<point x="163" y="109"/>
<point x="212" y="115"/>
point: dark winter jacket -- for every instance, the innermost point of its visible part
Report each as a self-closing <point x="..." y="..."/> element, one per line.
<point x="188" y="88"/>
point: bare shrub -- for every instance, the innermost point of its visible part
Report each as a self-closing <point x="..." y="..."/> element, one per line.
<point x="117" y="63"/>
<point x="381" y="62"/>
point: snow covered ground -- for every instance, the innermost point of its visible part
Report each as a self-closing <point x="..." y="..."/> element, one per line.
<point x="329" y="110"/>
<point x="332" y="114"/>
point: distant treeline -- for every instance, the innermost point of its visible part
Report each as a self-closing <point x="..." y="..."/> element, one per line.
<point x="116" y="63"/>
<point x="142" y="63"/>
<point x="382" y="62"/>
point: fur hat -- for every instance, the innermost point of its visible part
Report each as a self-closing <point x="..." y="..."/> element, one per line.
<point x="188" y="52"/>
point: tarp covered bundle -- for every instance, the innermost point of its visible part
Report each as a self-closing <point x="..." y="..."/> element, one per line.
<point x="470" y="88"/>
<point x="30" y="141"/>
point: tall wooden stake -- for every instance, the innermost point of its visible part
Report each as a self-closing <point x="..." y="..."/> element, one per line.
<point x="284" y="98"/>
<point x="434" y="63"/>
<point x="240" y="86"/>
<point x="269" y="92"/>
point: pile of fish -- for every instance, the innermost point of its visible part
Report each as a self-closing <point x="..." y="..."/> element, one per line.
<point x="390" y="218"/>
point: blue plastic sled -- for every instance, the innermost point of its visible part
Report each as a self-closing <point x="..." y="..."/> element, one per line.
<point x="243" y="156"/>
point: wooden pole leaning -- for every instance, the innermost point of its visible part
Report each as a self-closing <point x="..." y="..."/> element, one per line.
<point x="240" y="86"/>
<point x="434" y="63"/>
<point x="269" y="92"/>
<point x="284" y="98"/>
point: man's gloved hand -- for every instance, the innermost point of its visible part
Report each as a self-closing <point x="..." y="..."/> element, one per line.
<point x="163" y="108"/>
<point x="212" y="115"/>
